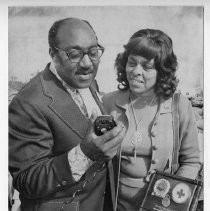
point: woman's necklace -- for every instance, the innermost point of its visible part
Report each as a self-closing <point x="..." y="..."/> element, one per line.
<point x="137" y="135"/>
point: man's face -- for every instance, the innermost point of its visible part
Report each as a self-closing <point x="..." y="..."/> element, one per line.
<point x="75" y="35"/>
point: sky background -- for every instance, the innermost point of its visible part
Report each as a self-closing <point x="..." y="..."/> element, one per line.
<point x="28" y="30"/>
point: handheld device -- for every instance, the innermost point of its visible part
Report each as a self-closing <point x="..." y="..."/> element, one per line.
<point x="103" y="123"/>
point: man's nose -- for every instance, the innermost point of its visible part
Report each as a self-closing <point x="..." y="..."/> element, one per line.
<point x="85" y="62"/>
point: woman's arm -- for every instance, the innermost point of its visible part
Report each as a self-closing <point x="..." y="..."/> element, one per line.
<point x="189" y="157"/>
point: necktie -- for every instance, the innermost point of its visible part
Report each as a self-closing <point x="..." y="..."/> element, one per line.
<point x="79" y="101"/>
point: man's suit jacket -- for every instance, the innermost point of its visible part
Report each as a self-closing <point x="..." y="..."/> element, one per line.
<point x="44" y="124"/>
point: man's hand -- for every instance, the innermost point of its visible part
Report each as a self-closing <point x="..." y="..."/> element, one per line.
<point x="104" y="147"/>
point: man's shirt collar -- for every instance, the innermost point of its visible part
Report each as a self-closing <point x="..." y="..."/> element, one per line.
<point x="54" y="71"/>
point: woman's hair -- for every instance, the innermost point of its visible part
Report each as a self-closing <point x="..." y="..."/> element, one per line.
<point x="151" y="44"/>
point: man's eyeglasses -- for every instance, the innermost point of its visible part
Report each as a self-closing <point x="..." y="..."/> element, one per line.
<point x="75" y="55"/>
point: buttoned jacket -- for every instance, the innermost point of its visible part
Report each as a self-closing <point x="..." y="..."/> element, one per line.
<point x="44" y="124"/>
<point x="161" y="133"/>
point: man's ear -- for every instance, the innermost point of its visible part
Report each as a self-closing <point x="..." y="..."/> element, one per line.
<point x="51" y="52"/>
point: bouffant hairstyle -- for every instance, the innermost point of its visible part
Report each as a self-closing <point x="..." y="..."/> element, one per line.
<point x="151" y="44"/>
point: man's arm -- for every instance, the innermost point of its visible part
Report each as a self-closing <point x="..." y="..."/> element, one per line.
<point x="37" y="172"/>
<point x="189" y="151"/>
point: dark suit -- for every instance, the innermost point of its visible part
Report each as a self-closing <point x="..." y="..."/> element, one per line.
<point x="44" y="123"/>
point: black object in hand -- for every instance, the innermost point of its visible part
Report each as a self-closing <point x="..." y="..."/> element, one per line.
<point x="104" y="122"/>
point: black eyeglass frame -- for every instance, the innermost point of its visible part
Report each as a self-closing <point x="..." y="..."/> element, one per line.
<point x="84" y="52"/>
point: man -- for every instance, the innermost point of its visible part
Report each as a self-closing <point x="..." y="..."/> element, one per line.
<point x="56" y="160"/>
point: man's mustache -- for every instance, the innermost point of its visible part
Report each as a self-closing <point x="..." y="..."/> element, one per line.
<point x="85" y="71"/>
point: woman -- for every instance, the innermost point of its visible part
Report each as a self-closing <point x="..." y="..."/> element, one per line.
<point x="146" y="75"/>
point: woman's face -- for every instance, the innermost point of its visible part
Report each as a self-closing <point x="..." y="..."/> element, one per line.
<point x="141" y="75"/>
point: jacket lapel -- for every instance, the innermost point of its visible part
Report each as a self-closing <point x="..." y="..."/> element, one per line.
<point x="62" y="104"/>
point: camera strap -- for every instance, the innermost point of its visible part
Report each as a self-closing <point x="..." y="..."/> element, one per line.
<point x="176" y="139"/>
<point x="84" y="184"/>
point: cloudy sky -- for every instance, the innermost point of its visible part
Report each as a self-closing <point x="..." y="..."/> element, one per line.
<point x="28" y="29"/>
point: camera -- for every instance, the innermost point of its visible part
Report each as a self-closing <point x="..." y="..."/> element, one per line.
<point x="103" y="123"/>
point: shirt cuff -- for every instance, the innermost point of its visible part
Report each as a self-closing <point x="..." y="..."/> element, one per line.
<point x="79" y="162"/>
